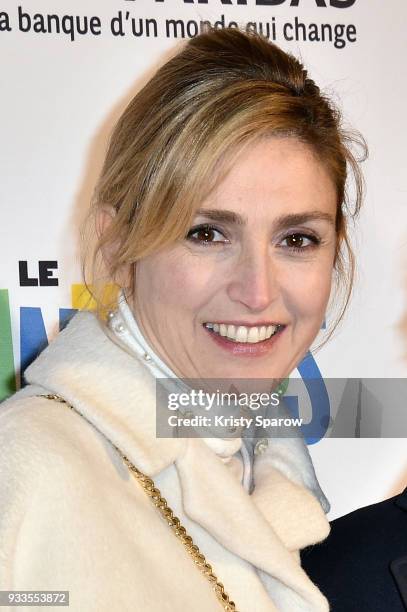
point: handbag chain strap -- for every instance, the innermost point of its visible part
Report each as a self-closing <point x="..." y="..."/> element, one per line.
<point x="173" y="521"/>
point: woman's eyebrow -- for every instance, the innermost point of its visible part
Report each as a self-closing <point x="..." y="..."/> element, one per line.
<point x="225" y="216"/>
<point x="285" y="221"/>
<point x="282" y="222"/>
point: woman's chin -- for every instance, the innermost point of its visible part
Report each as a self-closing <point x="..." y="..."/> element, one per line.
<point x="257" y="379"/>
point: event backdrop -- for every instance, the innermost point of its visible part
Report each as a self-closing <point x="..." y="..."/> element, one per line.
<point x="67" y="71"/>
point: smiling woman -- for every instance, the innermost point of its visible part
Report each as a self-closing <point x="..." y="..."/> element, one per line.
<point x="221" y="215"/>
<point x="235" y="286"/>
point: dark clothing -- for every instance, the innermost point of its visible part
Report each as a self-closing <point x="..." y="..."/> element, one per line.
<point x="362" y="565"/>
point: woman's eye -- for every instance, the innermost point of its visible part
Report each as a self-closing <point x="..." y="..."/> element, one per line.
<point x="298" y="241"/>
<point x="206" y="234"/>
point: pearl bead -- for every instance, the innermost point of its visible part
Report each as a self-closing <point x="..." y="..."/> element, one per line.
<point x="147" y="357"/>
<point x="261" y="446"/>
<point x="119" y="328"/>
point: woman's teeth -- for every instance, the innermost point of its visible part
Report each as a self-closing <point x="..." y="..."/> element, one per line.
<point x="241" y="333"/>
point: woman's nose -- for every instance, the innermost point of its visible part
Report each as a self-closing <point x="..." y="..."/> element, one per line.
<point x="253" y="280"/>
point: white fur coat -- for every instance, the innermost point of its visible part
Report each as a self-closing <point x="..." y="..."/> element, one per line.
<point x="72" y="517"/>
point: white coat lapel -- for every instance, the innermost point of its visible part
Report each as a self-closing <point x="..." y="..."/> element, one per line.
<point x="112" y="389"/>
<point x="207" y="488"/>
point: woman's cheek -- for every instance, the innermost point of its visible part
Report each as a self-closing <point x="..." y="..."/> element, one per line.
<point x="185" y="279"/>
<point x="203" y="273"/>
<point x="310" y="288"/>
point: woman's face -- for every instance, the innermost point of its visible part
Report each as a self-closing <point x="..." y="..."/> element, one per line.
<point x="244" y="294"/>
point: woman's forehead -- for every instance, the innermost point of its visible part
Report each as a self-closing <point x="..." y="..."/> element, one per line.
<point x="277" y="173"/>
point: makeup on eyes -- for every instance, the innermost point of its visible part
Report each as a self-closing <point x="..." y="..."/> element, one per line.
<point x="206" y="228"/>
<point x="298" y="235"/>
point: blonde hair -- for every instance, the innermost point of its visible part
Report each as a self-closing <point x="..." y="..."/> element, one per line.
<point x="223" y="90"/>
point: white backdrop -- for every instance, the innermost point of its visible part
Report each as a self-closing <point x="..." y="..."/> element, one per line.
<point x="61" y="94"/>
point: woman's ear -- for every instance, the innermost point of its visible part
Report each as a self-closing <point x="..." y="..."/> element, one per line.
<point x="109" y="248"/>
<point x="103" y="220"/>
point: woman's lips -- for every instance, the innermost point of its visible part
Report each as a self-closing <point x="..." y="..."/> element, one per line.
<point x="246" y="349"/>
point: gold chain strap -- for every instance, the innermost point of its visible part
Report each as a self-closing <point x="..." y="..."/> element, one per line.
<point x="173" y="521"/>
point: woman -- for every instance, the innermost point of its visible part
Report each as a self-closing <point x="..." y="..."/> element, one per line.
<point x="221" y="215"/>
